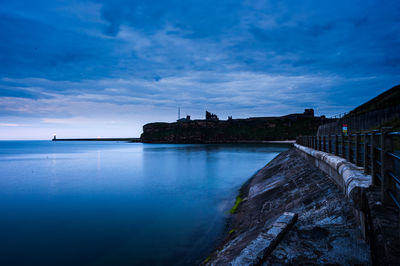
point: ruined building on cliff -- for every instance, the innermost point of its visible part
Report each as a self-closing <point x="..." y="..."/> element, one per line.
<point x="253" y="129"/>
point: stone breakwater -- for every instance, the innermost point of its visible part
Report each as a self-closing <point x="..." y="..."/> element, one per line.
<point x="326" y="231"/>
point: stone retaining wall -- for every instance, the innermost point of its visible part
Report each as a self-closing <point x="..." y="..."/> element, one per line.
<point x="347" y="175"/>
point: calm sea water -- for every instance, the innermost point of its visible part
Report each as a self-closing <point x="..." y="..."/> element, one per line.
<point x="111" y="203"/>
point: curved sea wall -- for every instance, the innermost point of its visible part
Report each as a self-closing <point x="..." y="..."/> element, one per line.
<point x="347" y="175"/>
<point x="378" y="223"/>
<point x="326" y="230"/>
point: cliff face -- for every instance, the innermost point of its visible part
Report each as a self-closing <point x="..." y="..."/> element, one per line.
<point x="232" y="130"/>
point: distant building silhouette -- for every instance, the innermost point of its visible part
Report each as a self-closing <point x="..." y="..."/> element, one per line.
<point x="211" y="116"/>
<point x="308" y="112"/>
<point x="187" y="119"/>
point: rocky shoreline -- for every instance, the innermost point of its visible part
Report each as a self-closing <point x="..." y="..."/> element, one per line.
<point x="326" y="231"/>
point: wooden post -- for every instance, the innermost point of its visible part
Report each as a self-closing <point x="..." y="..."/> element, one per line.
<point x="323" y="143"/>
<point x="373" y="159"/>
<point x="319" y="143"/>
<point x="365" y="157"/>
<point x="343" y="148"/>
<point x="386" y="165"/>
<point x="357" y="149"/>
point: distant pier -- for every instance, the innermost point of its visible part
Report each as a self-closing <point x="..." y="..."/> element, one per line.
<point x="101" y="139"/>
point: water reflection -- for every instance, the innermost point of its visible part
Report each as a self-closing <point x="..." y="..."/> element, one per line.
<point x="118" y="203"/>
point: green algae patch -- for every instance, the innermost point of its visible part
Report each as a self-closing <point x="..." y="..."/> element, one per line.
<point x="232" y="231"/>
<point x="207" y="259"/>
<point x="237" y="203"/>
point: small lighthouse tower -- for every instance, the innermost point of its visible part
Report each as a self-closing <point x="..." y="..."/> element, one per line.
<point x="54" y="137"/>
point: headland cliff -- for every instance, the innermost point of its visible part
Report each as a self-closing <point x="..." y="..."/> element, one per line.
<point x="213" y="130"/>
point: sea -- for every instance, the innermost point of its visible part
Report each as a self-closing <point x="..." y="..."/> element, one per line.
<point x="119" y="203"/>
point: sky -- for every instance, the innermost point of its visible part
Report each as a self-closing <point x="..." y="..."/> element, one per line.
<point x="105" y="68"/>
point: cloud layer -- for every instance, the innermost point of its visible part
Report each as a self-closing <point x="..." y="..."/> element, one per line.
<point x="80" y="67"/>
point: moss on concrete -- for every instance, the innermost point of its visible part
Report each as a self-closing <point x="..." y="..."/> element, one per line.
<point x="237" y="203"/>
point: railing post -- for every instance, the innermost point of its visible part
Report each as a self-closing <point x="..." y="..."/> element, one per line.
<point x="336" y="145"/>
<point x="315" y="142"/>
<point x="357" y="149"/>
<point x="319" y="142"/>
<point x="349" y="144"/>
<point x="343" y="148"/>
<point x="329" y="144"/>
<point x="365" y="157"/>
<point x="373" y="158"/>
<point x="324" y="143"/>
<point x="321" y="147"/>
<point x="387" y="181"/>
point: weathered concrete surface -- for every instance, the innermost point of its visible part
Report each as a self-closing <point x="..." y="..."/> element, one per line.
<point x="265" y="242"/>
<point x="346" y="174"/>
<point x="326" y="231"/>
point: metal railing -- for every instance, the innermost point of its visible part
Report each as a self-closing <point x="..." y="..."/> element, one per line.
<point x="373" y="150"/>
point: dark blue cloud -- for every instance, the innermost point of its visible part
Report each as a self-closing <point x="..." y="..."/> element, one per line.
<point x="202" y="18"/>
<point x="244" y="58"/>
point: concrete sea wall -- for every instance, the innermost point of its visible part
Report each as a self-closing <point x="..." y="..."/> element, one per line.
<point x="379" y="223"/>
<point x="326" y="230"/>
<point x="347" y="175"/>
